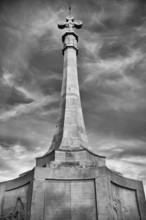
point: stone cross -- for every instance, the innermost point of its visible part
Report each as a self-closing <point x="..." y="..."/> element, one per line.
<point x="70" y="24"/>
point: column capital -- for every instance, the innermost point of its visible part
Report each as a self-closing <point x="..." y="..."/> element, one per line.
<point x="70" y="39"/>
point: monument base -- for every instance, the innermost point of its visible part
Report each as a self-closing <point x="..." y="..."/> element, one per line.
<point x="69" y="190"/>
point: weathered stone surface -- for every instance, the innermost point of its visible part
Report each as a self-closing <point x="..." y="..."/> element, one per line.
<point x="15" y="202"/>
<point x="58" y="192"/>
<point x="37" y="204"/>
<point x="74" y="193"/>
<point x="83" y="200"/>
<point x="124" y="203"/>
<point x="15" y="198"/>
<point x="70" y="132"/>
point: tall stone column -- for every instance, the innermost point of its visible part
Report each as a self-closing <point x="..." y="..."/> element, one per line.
<point x="70" y="130"/>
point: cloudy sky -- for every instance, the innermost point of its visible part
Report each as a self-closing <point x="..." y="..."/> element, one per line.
<point x="112" y="78"/>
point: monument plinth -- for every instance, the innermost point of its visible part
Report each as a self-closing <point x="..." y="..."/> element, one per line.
<point x="70" y="182"/>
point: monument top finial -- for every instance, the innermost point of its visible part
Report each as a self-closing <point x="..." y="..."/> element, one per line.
<point x="69" y="8"/>
<point x="70" y="23"/>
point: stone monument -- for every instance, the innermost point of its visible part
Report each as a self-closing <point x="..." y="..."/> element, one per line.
<point x="70" y="182"/>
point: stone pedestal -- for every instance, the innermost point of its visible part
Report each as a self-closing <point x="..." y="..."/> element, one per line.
<point x="78" y="187"/>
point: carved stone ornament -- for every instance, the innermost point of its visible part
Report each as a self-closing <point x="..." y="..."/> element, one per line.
<point x="79" y="164"/>
<point x="119" y="208"/>
<point x="70" y="24"/>
<point x="70" y="40"/>
<point x="17" y="213"/>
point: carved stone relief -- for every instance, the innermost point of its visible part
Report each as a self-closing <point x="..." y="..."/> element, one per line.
<point x="70" y="40"/>
<point x="17" y="213"/>
<point x="124" y="202"/>
<point x="119" y="208"/>
<point x="79" y="164"/>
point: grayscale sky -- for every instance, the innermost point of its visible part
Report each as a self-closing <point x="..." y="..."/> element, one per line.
<point x="112" y="78"/>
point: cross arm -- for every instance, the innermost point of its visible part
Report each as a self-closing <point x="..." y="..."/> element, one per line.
<point x="61" y="25"/>
<point x="78" y="24"/>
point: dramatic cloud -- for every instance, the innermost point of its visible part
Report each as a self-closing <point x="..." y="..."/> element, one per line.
<point x="112" y="76"/>
<point x="25" y="108"/>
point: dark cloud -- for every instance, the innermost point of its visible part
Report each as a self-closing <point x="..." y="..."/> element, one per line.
<point x="113" y="15"/>
<point x="122" y="151"/>
<point x="140" y="43"/>
<point x="8" y="141"/>
<point x="10" y="97"/>
<point x="113" y="50"/>
<point x="47" y="63"/>
<point x="16" y="98"/>
<point x="105" y="119"/>
<point x="51" y="86"/>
